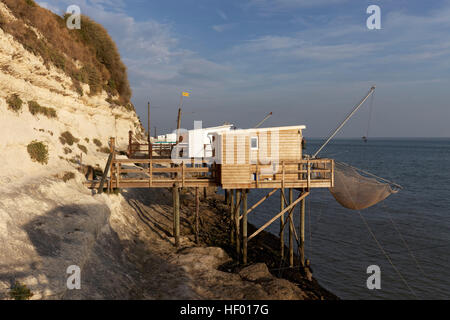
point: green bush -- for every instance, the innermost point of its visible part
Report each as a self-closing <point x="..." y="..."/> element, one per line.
<point x="30" y="3"/>
<point x="82" y="148"/>
<point x="38" y="152"/>
<point x="87" y="140"/>
<point x="67" y="150"/>
<point x="35" y="108"/>
<point x="67" y="137"/>
<point x="97" y="142"/>
<point x="20" y="292"/>
<point x="14" y="102"/>
<point x="91" y="46"/>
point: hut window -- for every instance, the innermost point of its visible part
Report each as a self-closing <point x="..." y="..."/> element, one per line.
<point x="254" y="143"/>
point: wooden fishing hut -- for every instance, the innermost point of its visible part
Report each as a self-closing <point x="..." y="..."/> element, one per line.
<point x="238" y="160"/>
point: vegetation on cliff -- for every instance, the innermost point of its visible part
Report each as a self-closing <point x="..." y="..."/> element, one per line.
<point x="87" y="55"/>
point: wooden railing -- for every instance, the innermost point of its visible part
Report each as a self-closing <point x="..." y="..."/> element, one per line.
<point x="145" y="150"/>
<point x="308" y="173"/>
<point x="150" y="173"/>
<point x="163" y="173"/>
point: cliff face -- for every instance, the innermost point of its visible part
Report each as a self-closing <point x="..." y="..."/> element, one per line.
<point x="49" y="125"/>
<point x="28" y="85"/>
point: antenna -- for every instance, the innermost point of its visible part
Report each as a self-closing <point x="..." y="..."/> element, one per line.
<point x="372" y="89"/>
<point x="264" y="120"/>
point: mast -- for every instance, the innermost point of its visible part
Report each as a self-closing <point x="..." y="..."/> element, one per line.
<point x="371" y="91"/>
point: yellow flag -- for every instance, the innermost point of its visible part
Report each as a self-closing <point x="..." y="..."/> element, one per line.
<point x="185" y="94"/>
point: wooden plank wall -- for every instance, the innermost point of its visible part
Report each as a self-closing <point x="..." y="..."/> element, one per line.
<point x="236" y="164"/>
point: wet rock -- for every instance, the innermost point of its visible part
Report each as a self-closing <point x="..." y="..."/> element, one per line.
<point x="256" y="272"/>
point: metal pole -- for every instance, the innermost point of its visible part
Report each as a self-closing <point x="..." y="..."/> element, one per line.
<point x="372" y="89"/>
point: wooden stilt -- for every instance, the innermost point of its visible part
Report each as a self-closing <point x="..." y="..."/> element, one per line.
<point x="197" y="212"/>
<point x="232" y="199"/>
<point x="244" y="227"/>
<point x="302" y="232"/>
<point x="237" y="213"/>
<point x="282" y="223"/>
<point x="176" y="214"/>
<point x="291" y="230"/>
<point x="268" y="223"/>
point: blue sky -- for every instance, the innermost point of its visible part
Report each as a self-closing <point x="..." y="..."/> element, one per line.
<point x="308" y="62"/>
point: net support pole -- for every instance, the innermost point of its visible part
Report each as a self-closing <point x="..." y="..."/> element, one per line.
<point x="372" y="89"/>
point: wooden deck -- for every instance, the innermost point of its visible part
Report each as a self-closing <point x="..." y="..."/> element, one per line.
<point x="163" y="173"/>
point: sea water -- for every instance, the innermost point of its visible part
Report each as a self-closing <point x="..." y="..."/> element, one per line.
<point x="407" y="235"/>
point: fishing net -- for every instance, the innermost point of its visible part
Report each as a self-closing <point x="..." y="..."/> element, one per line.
<point x="355" y="191"/>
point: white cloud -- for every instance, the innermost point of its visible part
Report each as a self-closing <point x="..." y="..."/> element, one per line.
<point x="223" y="27"/>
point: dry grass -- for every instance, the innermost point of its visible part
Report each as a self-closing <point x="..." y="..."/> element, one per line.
<point x="20" y="291"/>
<point x="38" y="152"/>
<point x="97" y="142"/>
<point x="14" y="103"/>
<point x="67" y="137"/>
<point x="35" y="108"/>
<point x="82" y="148"/>
<point x="68" y="176"/>
<point x="91" y="45"/>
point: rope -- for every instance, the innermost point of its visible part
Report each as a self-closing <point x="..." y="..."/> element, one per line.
<point x="407" y="246"/>
<point x="371" y="174"/>
<point x="382" y="249"/>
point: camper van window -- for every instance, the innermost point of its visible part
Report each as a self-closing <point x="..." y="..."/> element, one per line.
<point x="254" y="143"/>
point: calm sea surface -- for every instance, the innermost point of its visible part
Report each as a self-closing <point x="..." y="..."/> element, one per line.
<point x="412" y="226"/>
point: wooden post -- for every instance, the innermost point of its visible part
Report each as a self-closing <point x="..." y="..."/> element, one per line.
<point x="178" y="125"/>
<point x="231" y="215"/>
<point x="130" y="141"/>
<point x="302" y="231"/>
<point x="244" y="227"/>
<point x="176" y="214"/>
<point x="148" y="119"/>
<point x="291" y="230"/>
<point x="197" y="212"/>
<point x="282" y="223"/>
<point x="237" y="213"/>
<point x="112" y="150"/>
